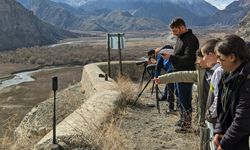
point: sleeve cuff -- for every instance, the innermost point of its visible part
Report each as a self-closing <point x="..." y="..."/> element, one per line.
<point x="171" y="57"/>
<point x="224" y="145"/>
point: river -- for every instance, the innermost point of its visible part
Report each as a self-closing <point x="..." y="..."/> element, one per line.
<point x="23" y="77"/>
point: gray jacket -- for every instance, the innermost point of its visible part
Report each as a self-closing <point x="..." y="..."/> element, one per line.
<point x="198" y="77"/>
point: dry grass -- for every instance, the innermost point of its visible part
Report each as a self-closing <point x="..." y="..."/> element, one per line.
<point x="108" y="136"/>
<point x="76" y="54"/>
<point x="6" y="139"/>
<point x="114" y="140"/>
<point x="128" y="91"/>
<point x="18" y="100"/>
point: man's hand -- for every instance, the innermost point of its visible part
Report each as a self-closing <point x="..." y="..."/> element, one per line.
<point x="165" y="55"/>
<point x="151" y="61"/>
<point x="157" y="50"/>
<point x="219" y="148"/>
<point x="157" y="81"/>
<point x="217" y="139"/>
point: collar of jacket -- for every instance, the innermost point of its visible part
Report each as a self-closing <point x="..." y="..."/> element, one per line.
<point x="186" y="33"/>
<point x="242" y="71"/>
<point x="215" y="66"/>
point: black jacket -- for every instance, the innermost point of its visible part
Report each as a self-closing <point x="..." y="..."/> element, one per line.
<point x="234" y="109"/>
<point x="185" y="52"/>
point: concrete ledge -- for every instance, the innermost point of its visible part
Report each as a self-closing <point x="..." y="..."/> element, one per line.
<point x="84" y="122"/>
<point x="100" y="105"/>
<point x="91" y="83"/>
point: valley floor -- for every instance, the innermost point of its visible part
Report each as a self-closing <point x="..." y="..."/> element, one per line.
<point x="16" y="101"/>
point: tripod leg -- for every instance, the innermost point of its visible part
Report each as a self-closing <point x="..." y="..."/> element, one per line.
<point x="141" y="80"/>
<point x="142" y="90"/>
<point x="152" y="90"/>
<point x="157" y="98"/>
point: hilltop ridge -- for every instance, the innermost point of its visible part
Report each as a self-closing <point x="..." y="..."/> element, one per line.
<point x="21" y="28"/>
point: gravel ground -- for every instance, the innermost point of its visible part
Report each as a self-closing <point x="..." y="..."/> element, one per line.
<point x="149" y="130"/>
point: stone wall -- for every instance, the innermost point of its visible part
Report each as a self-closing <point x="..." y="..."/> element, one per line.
<point x="97" y="109"/>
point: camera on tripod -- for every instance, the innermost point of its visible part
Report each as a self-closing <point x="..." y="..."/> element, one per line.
<point x="153" y="65"/>
<point x="141" y="62"/>
<point x="149" y="68"/>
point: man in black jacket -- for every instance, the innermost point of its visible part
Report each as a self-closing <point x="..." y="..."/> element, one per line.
<point x="183" y="59"/>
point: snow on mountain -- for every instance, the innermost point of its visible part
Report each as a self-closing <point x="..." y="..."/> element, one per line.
<point x="74" y="3"/>
<point x="77" y="3"/>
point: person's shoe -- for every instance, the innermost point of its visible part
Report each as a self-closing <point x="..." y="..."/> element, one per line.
<point x="170" y="111"/>
<point x="183" y="129"/>
<point x="163" y="98"/>
<point x="150" y="105"/>
<point x="178" y="123"/>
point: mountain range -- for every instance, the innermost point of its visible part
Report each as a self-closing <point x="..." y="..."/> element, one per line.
<point x="21" y="28"/>
<point x="113" y="15"/>
<point x="39" y="24"/>
<point x="81" y="19"/>
<point x="127" y="15"/>
<point x="231" y="15"/>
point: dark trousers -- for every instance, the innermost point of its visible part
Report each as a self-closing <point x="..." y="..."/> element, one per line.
<point x="185" y="100"/>
<point x="169" y="93"/>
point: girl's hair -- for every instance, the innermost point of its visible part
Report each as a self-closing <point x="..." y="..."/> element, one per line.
<point x="208" y="46"/>
<point x="198" y="53"/>
<point x="233" y="44"/>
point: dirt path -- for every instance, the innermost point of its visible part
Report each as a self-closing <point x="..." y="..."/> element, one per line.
<point x="149" y="130"/>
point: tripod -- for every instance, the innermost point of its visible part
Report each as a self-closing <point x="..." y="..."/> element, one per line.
<point x="151" y="71"/>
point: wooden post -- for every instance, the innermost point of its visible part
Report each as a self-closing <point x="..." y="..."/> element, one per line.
<point x="109" y="69"/>
<point x="120" y="53"/>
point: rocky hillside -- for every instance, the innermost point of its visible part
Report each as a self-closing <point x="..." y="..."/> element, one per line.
<point x="74" y="3"/>
<point x="54" y="13"/>
<point x="20" y="28"/>
<point x="117" y="20"/>
<point x="91" y="20"/>
<point x="139" y="15"/>
<point x="231" y="15"/>
<point x="244" y="27"/>
<point x="160" y="10"/>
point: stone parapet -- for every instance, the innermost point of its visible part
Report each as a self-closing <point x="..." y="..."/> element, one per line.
<point x="101" y="101"/>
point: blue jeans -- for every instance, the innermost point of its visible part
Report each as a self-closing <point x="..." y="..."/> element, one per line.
<point x="185" y="97"/>
<point x="169" y="93"/>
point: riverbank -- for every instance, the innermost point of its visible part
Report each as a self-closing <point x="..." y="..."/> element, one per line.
<point x="7" y="69"/>
<point x="17" y="101"/>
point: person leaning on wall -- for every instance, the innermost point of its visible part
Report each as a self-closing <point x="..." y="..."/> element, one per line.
<point x="209" y="56"/>
<point x="202" y="77"/>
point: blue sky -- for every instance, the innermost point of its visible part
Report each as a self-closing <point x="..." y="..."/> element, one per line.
<point x="221" y="4"/>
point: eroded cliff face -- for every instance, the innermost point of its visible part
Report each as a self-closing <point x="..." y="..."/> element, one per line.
<point x="244" y="27"/>
<point x="20" y="28"/>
